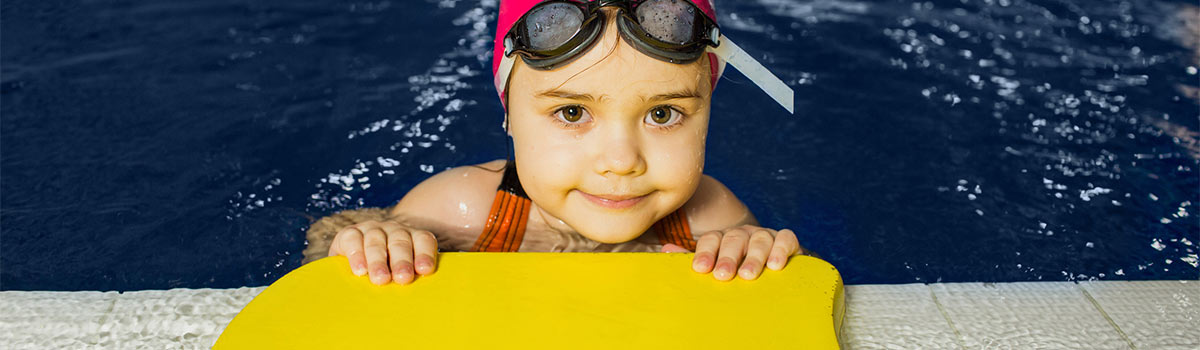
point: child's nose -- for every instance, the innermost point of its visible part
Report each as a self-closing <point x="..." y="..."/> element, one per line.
<point x="619" y="153"/>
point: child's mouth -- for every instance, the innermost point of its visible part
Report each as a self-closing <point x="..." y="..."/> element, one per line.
<point x="613" y="201"/>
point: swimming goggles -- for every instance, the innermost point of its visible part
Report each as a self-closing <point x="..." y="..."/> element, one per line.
<point x="556" y="31"/>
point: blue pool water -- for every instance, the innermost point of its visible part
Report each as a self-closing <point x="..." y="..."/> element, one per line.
<point x="189" y="143"/>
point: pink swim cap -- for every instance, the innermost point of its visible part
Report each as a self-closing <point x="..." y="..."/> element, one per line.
<point x="512" y="10"/>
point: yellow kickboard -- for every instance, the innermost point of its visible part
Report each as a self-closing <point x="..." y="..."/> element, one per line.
<point x="547" y="301"/>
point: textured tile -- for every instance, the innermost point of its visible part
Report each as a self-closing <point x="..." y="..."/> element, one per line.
<point x="1026" y="315"/>
<point x="178" y="318"/>
<point x="1153" y="314"/>
<point x="172" y="319"/>
<point x="15" y="303"/>
<point x="894" y="317"/>
<point x="47" y="320"/>
<point x="185" y="302"/>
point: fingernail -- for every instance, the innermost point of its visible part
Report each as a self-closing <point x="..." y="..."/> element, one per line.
<point x="723" y="273"/>
<point x="748" y="273"/>
<point x="775" y="263"/>
<point x="358" y="270"/>
<point x="701" y="264"/>
<point x="379" y="276"/>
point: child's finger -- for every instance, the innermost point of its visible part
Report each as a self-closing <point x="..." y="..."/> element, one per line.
<point x="706" y="252"/>
<point x="785" y="245"/>
<point x="756" y="254"/>
<point x="350" y="245"/>
<point x="733" y="249"/>
<point x="374" y="245"/>
<point x="424" y="250"/>
<point x="671" y="248"/>
<point x="400" y="256"/>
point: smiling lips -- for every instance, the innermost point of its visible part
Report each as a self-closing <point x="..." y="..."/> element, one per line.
<point x="613" y="201"/>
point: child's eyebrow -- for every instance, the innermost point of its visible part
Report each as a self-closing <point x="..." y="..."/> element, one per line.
<point x="682" y="94"/>
<point x="567" y="95"/>
<point x="571" y="95"/>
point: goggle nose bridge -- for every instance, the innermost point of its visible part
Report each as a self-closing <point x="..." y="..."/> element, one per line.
<point x="622" y="3"/>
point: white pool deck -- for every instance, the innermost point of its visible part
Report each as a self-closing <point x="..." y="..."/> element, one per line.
<point x="1022" y="315"/>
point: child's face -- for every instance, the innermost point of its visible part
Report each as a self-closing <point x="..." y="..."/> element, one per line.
<point x="610" y="143"/>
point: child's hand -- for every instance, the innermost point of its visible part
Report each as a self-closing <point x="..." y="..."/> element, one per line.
<point x="386" y="250"/>
<point x="746" y="245"/>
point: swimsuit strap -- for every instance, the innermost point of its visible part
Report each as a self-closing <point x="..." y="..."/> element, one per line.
<point x="674" y="229"/>
<point x="510" y="211"/>
<point x="506" y="221"/>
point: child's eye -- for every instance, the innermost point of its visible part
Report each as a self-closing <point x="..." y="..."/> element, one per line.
<point x="572" y="115"/>
<point x="663" y="116"/>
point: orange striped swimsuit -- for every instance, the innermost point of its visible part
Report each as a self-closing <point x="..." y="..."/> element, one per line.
<point x="510" y="211"/>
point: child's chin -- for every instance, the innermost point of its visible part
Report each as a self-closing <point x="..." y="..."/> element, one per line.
<point x="610" y="233"/>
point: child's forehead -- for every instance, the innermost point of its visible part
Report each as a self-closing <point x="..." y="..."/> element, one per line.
<point x="624" y="71"/>
<point x="610" y="79"/>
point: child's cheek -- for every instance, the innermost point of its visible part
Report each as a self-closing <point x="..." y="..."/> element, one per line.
<point x="548" y="162"/>
<point x="678" y="164"/>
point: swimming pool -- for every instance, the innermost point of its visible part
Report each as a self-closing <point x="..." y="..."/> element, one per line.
<point x="190" y="143"/>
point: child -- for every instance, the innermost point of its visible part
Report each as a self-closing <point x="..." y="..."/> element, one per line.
<point x="608" y="112"/>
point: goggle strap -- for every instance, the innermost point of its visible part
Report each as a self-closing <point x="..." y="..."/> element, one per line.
<point x="734" y="55"/>
<point x="501" y="79"/>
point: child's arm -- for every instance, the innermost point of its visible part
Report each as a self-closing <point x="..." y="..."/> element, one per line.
<point x="443" y="211"/>
<point x="729" y="235"/>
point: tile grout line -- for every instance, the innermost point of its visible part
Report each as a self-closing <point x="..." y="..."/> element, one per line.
<point x="1111" y="322"/>
<point x="957" y="336"/>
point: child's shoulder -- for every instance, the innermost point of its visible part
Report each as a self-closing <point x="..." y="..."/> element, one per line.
<point x="456" y="198"/>
<point x="467" y="178"/>
<point x="715" y="207"/>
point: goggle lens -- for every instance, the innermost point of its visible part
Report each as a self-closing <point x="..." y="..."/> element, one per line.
<point x="552" y="25"/>
<point x="671" y="21"/>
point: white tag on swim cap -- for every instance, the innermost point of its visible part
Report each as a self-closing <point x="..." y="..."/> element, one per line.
<point x="734" y="55"/>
